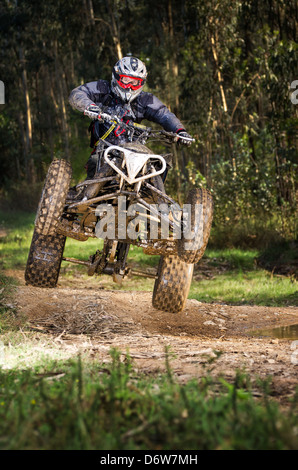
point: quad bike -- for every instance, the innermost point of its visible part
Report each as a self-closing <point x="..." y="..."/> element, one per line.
<point x="130" y="176"/>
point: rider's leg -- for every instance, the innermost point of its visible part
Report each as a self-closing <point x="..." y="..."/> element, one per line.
<point x="92" y="190"/>
<point x="157" y="182"/>
<point x="91" y="165"/>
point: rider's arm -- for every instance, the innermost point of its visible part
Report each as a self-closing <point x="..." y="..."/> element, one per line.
<point x="89" y="93"/>
<point x="156" y="111"/>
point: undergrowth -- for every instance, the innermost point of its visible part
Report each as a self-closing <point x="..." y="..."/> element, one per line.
<point x="9" y="316"/>
<point x="78" y="405"/>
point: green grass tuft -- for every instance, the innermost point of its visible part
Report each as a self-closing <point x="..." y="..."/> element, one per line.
<point x="76" y="405"/>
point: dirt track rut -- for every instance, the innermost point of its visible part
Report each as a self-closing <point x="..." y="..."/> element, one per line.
<point x="94" y="320"/>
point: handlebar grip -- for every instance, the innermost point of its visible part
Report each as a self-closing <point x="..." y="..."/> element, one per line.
<point x="108" y="117"/>
<point x="189" y="139"/>
<point x="101" y="116"/>
<point x="91" y="114"/>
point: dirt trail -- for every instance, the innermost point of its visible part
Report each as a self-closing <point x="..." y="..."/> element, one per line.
<point x="96" y="319"/>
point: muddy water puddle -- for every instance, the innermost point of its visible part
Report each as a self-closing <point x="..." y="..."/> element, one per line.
<point x="280" y="332"/>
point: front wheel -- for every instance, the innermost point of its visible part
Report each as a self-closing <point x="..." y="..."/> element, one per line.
<point x="44" y="260"/>
<point x="193" y="242"/>
<point x="47" y="245"/>
<point x="172" y="285"/>
<point x="53" y="197"/>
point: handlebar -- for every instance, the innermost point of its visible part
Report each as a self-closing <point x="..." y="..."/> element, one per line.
<point x="132" y="126"/>
<point x="101" y="116"/>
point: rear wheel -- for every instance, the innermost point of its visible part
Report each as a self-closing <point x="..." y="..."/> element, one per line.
<point x="172" y="285"/>
<point x="191" y="249"/>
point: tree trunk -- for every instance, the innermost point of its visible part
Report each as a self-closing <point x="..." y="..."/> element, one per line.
<point x="91" y="12"/>
<point x="114" y="30"/>
<point x="62" y="108"/>
<point x="28" y="124"/>
<point x="219" y="76"/>
<point x="47" y="89"/>
<point x="173" y="61"/>
<point x="23" y="136"/>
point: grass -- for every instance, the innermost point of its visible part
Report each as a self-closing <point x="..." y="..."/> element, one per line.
<point x="9" y="317"/>
<point x="76" y="405"/>
<point x="251" y="287"/>
<point x="235" y="277"/>
<point x="242" y="281"/>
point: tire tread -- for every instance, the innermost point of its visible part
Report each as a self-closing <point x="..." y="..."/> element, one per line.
<point x="172" y="286"/>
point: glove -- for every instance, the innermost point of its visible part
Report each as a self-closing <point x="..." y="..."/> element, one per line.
<point x="93" y="108"/>
<point x="183" y="138"/>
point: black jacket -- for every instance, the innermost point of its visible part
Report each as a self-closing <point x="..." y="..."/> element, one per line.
<point x="145" y="106"/>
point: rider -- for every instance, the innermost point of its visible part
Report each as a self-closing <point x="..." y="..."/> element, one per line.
<point x="125" y="97"/>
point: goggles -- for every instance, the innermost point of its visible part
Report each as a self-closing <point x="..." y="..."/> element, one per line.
<point x="125" y="81"/>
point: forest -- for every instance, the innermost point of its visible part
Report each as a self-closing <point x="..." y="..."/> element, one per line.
<point x="227" y="69"/>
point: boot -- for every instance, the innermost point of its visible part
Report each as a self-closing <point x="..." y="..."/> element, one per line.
<point x="93" y="189"/>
